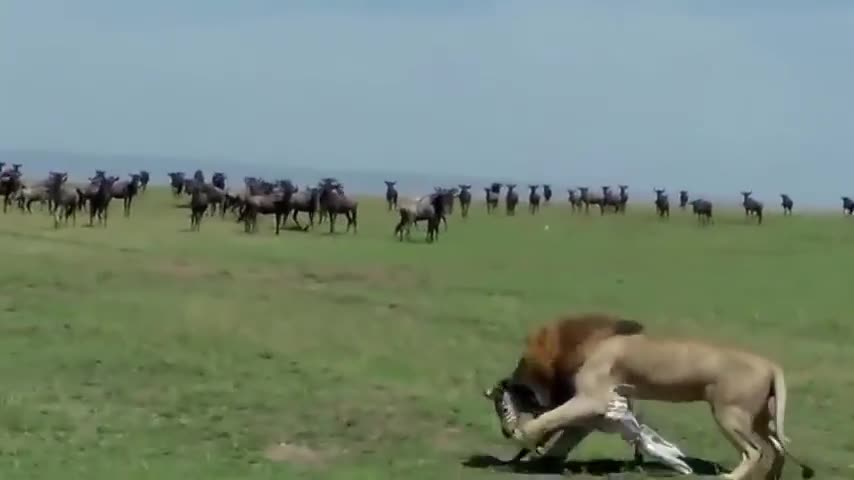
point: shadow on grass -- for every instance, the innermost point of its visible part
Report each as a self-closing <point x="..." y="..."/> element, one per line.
<point x="595" y="467"/>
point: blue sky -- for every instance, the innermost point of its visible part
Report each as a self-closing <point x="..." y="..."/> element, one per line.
<point x="718" y="96"/>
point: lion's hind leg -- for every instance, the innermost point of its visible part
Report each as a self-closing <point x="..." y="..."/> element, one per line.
<point x="772" y="454"/>
<point x="737" y="426"/>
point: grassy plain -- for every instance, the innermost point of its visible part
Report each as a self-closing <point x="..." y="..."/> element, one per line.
<point x="143" y="351"/>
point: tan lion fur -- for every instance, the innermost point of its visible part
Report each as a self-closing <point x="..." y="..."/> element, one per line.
<point x="555" y="351"/>
<point x="746" y="391"/>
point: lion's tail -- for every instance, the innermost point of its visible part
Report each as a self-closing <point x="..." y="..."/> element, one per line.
<point x="780" y="404"/>
<point x="779" y="437"/>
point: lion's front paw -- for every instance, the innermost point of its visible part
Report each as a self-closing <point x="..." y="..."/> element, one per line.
<point x="527" y="440"/>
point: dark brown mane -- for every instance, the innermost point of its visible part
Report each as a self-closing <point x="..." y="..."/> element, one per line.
<point x="554" y="352"/>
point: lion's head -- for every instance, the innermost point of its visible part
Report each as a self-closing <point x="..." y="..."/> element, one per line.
<point x="543" y="377"/>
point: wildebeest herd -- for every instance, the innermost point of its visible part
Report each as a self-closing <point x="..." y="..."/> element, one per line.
<point x="325" y="201"/>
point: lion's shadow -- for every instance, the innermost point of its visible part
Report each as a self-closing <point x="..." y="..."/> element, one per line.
<point x="595" y="467"/>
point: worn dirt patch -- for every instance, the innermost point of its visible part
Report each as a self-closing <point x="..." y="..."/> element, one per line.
<point x="295" y="454"/>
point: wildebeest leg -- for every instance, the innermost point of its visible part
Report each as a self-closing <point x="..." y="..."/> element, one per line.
<point x="331" y="218"/>
<point x="355" y="221"/>
<point x="294" y="218"/>
<point x="278" y="216"/>
<point x="445" y="221"/>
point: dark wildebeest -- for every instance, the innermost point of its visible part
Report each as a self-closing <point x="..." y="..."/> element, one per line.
<point x="101" y="195"/>
<point x="847" y="205"/>
<point x="277" y="202"/>
<point x="429" y="207"/>
<point x="218" y="180"/>
<point x="447" y="196"/>
<point x="333" y="201"/>
<point x="511" y="199"/>
<point x="306" y="200"/>
<point x="610" y="199"/>
<point x="215" y="197"/>
<point x="390" y="194"/>
<point x="144" y="178"/>
<point x="199" y="176"/>
<point x="683" y="199"/>
<point x="787" y="203"/>
<point x="126" y="190"/>
<point x="751" y="206"/>
<point x="703" y="210"/>
<point x="662" y="203"/>
<point x="63" y="198"/>
<point x="533" y="199"/>
<point x="198" y="204"/>
<point x="624" y="198"/>
<point x="87" y="191"/>
<point x="547" y="193"/>
<point x="176" y="181"/>
<point x="493" y="192"/>
<point x="10" y="183"/>
<point x="574" y="199"/>
<point x="465" y="199"/>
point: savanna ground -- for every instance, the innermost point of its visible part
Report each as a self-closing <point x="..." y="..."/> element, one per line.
<point x="144" y="351"/>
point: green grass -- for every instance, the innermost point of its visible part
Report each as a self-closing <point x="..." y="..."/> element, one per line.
<point x="143" y="351"/>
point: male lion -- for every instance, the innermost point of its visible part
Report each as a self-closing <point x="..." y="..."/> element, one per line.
<point x="516" y="399"/>
<point x="746" y="391"/>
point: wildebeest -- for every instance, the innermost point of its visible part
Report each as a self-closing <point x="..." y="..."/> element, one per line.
<point x="683" y="199"/>
<point x="787" y="203"/>
<point x="610" y="199"/>
<point x="465" y="199"/>
<point x="100" y="196"/>
<point x="511" y="199"/>
<point x="847" y="205"/>
<point x="662" y="203"/>
<point x="89" y="190"/>
<point x="218" y="180"/>
<point x="588" y="199"/>
<point x="215" y="197"/>
<point x="533" y="199"/>
<point x="703" y="210"/>
<point x="176" y="181"/>
<point x="390" y="194"/>
<point x="429" y="207"/>
<point x="63" y="198"/>
<point x="126" y="190"/>
<point x="277" y="202"/>
<point x="447" y="196"/>
<point x="10" y="183"/>
<point x="493" y="192"/>
<point x="28" y="195"/>
<point x="198" y="204"/>
<point x="306" y="200"/>
<point x="574" y="199"/>
<point x="624" y="198"/>
<point x="547" y="193"/>
<point x="144" y="178"/>
<point x="751" y="206"/>
<point x="333" y="201"/>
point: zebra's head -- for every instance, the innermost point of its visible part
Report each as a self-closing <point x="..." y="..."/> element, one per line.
<point x="512" y="403"/>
